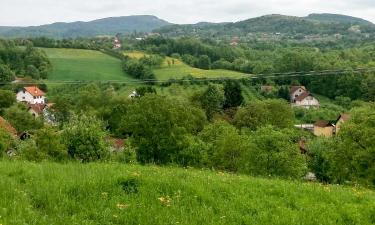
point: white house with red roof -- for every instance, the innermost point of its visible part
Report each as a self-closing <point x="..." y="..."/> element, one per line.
<point x="31" y="95"/>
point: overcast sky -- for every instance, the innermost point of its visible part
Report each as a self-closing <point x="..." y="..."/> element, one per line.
<point x="37" y="12"/>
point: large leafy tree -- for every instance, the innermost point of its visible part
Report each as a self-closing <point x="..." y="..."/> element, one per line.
<point x="354" y="158"/>
<point x="7" y="99"/>
<point x="226" y="147"/>
<point x="158" y="127"/>
<point x="84" y="137"/>
<point x="275" y="153"/>
<point x="277" y="113"/>
<point x="211" y="100"/>
<point x="6" y="74"/>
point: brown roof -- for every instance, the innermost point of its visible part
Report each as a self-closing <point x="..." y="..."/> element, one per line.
<point x="295" y="88"/>
<point x="323" y="123"/>
<point x="344" y="117"/>
<point x="266" y="88"/>
<point x="4" y="124"/>
<point x="38" y="108"/>
<point x="303" y="96"/>
<point x="34" y="91"/>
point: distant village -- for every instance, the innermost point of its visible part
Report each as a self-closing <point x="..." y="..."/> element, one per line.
<point x="37" y="105"/>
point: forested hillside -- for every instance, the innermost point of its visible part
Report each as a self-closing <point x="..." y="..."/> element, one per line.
<point x="106" y="26"/>
<point x="290" y="26"/>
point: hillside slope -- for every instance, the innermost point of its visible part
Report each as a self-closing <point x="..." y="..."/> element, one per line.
<point x="124" y="194"/>
<point x="337" y="18"/>
<point x="106" y="26"/>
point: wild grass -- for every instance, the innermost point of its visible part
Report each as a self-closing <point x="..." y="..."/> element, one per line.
<point x="73" y="193"/>
<point x="84" y="65"/>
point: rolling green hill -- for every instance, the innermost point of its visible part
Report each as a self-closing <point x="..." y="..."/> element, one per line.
<point x="74" y="64"/>
<point x="60" y="194"/>
<point x="107" y="26"/>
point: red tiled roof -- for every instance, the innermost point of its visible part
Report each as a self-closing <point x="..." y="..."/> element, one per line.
<point x="34" y="91"/>
<point x="295" y="88"/>
<point x="323" y="123"/>
<point x="38" y="108"/>
<point x="4" y="124"/>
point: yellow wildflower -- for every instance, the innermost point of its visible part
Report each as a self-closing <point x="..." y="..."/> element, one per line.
<point x="122" y="206"/>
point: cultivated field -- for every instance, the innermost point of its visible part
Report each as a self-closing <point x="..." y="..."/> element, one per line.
<point x="74" y="64"/>
<point x="75" y="193"/>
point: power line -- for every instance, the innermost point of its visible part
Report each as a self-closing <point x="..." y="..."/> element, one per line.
<point x="245" y="76"/>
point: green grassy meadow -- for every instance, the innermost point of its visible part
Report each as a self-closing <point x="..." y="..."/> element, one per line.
<point x="84" y="194"/>
<point x="84" y="65"/>
<point x="176" y="69"/>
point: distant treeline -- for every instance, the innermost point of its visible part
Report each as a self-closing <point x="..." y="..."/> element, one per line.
<point x="16" y="61"/>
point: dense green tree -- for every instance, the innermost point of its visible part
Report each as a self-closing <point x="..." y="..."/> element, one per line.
<point x="142" y="91"/>
<point x="233" y="94"/>
<point x="84" y="137"/>
<point x="222" y="153"/>
<point x="354" y="159"/>
<point x="211" y="100"/>
<point x="50" y="143"/>
<point x="6" y="74"/>
<point x="7" y="99"/>
<point x="204" y="62"/>
<point x="277" y="113"/>
<point x="33" y="72"/>
<point x="158" y="127"/>
<point x="275" y="153"/>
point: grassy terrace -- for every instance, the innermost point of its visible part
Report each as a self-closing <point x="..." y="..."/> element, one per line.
<point x="75" y="193"/>
<point x="76" y="64"/>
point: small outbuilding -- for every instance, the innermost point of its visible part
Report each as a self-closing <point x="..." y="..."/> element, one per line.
<point x="324" y="128"/>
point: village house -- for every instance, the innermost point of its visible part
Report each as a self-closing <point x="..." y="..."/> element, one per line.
<point x="324" y="128"/>
<point x="31" y="95"/>
<point x="116" y="43"/>
<point x="301" y="97"/>
<point x="340" y="121"/>
<point x="134" y="94"/>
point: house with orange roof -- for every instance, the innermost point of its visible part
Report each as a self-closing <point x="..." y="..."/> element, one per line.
<point x="31" y="95"/>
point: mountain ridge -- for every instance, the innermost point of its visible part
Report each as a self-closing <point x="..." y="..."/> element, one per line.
<point x="313" y="23"/>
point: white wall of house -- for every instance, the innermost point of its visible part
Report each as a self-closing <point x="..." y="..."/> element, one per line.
<point x="308" y="102"/>
<point x="24" y="96"/>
